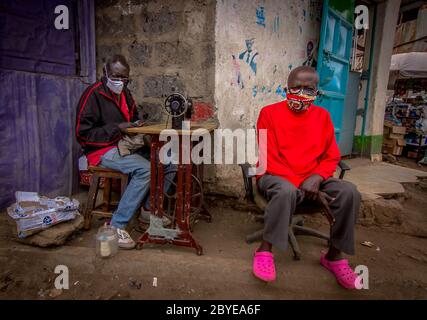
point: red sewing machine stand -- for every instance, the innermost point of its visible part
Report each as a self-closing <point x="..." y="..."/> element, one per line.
<point x="180" y="231"/>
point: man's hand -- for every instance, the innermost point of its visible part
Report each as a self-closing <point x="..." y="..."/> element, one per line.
<point x="138" y="123"/>
<point x="310" y="186"/>
<point x="125" y="125"/>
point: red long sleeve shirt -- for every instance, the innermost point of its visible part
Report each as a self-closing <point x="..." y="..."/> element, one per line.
<point x="298" y="144"/>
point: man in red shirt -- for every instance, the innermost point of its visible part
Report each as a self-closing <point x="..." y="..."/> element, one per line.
<point x="302" y="155"/>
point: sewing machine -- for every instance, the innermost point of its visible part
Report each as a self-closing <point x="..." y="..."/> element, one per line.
<point x="179" y="108"/>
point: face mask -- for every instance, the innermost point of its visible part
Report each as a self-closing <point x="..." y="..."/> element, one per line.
<point x="299" y="103"/>
<point x="115" y="85"/>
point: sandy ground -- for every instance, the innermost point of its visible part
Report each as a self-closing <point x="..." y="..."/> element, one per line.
<point x="397" y="264"/>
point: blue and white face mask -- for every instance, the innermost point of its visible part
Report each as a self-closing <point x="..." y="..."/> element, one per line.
<point x="114" y="85"/>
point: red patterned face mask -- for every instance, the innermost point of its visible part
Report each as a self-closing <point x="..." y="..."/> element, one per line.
<point x="299" y="103"/>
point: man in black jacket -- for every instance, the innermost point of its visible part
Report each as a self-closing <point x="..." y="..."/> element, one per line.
<point x="106" y="109"/>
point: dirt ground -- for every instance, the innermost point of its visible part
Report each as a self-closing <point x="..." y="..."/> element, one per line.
<point x="405" y="162"/>
<point x="397" y="263"/>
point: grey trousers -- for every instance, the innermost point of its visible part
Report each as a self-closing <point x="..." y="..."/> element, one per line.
<point x="283" y="197"/>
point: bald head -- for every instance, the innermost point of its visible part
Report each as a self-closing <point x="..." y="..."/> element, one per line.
<point x="303" y="76"/>
<point x="118" y="67"/>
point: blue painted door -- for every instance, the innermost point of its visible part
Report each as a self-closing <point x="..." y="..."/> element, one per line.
<point x="334" y="59"/>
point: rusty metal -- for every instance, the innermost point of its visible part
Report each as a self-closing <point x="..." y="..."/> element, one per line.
<point x="181" y="223"/>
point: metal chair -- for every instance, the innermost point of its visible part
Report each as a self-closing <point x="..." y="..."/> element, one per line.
<point x="258" y="203"/>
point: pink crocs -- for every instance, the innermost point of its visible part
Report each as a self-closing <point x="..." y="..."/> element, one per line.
<point x="263" y="266"/>
<point x="342" y="271"/>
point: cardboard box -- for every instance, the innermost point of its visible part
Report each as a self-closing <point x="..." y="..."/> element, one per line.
<point x="397" y="151"/>
<point x="396" y="136"/>
<point x="398" y="130"/>
<point x="393" y="146"/>
<point x="400" y="142"/>
<point x="387" y="149"/>
<point x="387" y="130"/>
<point x="389" y="142"/>
<point x="388" y="123"/>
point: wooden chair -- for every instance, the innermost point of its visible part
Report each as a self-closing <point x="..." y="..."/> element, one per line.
<point x="103" y="209"/>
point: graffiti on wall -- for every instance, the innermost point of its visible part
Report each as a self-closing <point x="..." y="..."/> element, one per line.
<point x="246" y="64"/>
<point x="260" y="16"/>
<point x="238" y="81"/>
<point x="311" y="54"/>
<point x="276" y="24"/>
<point x="271" y="89"/>
<point x="249" y="56"/>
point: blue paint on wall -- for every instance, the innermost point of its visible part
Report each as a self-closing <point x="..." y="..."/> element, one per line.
<point x="254" y="91"/>
<point x="281" y="91"/>
<point x="249" y="55"/>
<point x="260" y="16"/>
<point x="276" y="24"/>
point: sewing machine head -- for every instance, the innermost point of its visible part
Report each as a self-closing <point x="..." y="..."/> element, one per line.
<point x="179" y="108"/>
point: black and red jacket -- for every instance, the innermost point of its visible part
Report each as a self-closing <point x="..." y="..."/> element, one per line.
<point x="98" y="117"/>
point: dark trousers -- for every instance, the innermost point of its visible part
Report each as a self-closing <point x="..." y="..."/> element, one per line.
<point x="283" y="197"/>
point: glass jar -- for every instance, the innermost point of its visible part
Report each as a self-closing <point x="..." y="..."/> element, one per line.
<point x="106" y="242"/>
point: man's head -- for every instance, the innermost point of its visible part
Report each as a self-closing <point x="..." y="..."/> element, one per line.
<point x="117" y="72"/>
<point x="302" y="88"/>
<point x="249" y="44"/>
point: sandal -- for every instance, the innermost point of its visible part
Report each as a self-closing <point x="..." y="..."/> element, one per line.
<point x="345" y="276"/>
<point x="263" y="266"/>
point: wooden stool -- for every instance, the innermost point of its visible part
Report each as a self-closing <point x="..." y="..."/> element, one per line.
<point x="97" y="174"/>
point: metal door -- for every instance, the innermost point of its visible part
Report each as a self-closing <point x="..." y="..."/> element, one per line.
<point x="334" y="59"/>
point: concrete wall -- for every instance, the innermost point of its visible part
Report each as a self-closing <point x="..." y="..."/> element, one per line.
<point x="198" y="46"/>
<point x="279" y="32"/>
<point x="169" y="45"/>
<point x="369" y="142"/>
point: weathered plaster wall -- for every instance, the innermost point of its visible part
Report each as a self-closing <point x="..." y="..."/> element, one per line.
<point x="169" y="45"/>
<point x="277" y="33"/>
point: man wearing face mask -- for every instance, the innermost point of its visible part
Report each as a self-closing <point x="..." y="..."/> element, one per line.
<point x="302" y="156"/>
<point x="106" y="109"/>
